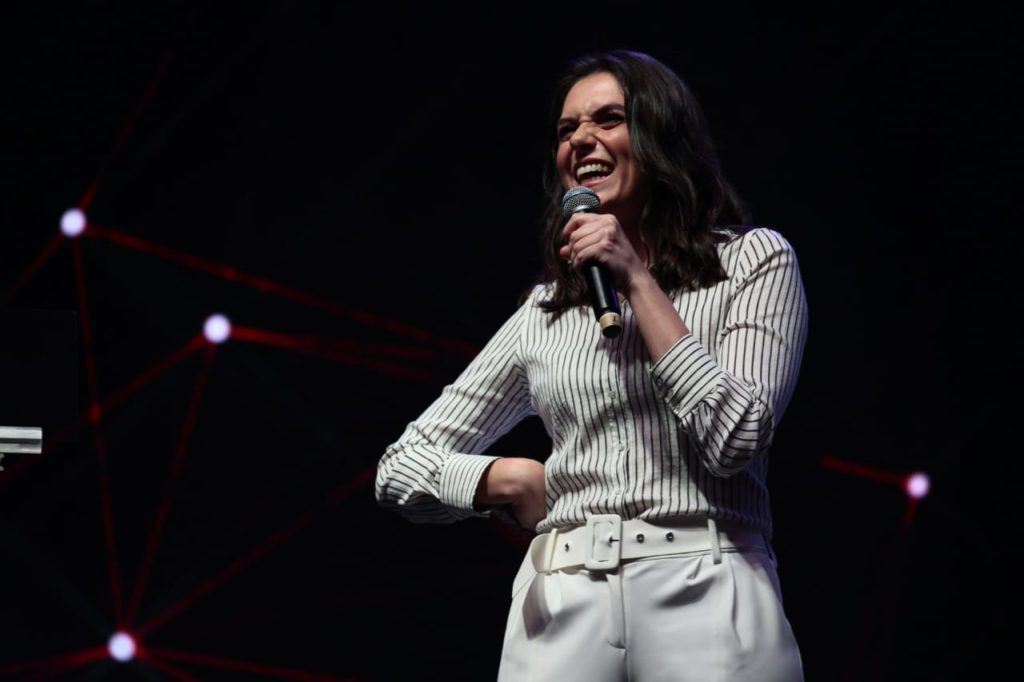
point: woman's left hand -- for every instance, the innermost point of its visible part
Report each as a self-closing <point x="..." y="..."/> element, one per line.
<point x="599" y="237"/>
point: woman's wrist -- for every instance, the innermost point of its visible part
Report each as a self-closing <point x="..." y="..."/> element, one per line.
<point x="656" y="315"/>
<point x="641" y="283"/>
<point x="506" y="481"/>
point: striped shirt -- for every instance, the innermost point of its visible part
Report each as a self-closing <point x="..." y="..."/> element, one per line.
<point x="686" y="435"/>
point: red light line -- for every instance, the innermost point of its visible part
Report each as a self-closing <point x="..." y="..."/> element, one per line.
<point x="248" y="666"/>
<point x="862" y="471"/>
<point x="165" y="503"/>
<point x="243" y="562"/>
<point x="193" y="410"/>
<point x="873" y="474"/>
<point x="147" y="559"/>
<point x="74" y="658"/>
<point x="327" y="350"/>
<point x="108" y="517"/>
<point x="126" y="130"/>
<point x="232" y="274"/>
<point x="110" y="402"/>
<point x="232" y="569"/>
<point x="317" y="345"/>
<point x="149" y="375"/>
<point x="54" y="671"/>
<point x="31" y="270"/>
<point x="177" y="673"/>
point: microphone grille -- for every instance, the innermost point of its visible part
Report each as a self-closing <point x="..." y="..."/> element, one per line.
<point x="579" y="199"/>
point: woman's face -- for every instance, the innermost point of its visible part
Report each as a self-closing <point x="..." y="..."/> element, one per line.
<point x="594" y="150"/>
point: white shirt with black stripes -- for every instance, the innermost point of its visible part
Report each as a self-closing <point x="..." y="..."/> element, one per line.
<point x="685" y="435"/>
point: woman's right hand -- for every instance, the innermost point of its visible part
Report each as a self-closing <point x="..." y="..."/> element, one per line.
<point x="517" y="482"/>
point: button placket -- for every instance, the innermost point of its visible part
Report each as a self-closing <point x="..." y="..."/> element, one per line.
<point x="616" y="408"/>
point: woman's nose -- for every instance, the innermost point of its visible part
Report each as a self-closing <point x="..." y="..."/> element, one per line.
<point x="583" y="136"/>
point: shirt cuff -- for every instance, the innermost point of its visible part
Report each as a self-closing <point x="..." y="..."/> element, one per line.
<point x="460" y="477"/>
<point x="685" y="374"/>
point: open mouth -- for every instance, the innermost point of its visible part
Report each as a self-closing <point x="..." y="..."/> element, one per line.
<point x="592" y="173"/>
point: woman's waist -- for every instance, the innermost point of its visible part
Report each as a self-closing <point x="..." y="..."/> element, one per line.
<point x="571" y="510"/>
<point x="603" y="541"/>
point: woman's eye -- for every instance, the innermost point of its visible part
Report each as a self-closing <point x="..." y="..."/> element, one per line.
<point x="611" y="120"/>
<point x="604" y="121"/>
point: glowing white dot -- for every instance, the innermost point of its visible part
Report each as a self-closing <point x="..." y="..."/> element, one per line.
<point x="121" y="646"/>
<point x="72" y="223"/>
<point x="217" y="328"/>
<point x="917" y="485"/>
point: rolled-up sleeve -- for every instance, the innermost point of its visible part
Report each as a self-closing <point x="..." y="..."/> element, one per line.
<point x="431" y="473"/>
<point x="730" y="402"/>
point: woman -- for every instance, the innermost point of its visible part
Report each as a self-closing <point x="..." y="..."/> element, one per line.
<point x="652" y="559"/>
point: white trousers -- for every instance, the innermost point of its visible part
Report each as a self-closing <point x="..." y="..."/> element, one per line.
<point x="680" y="618"/>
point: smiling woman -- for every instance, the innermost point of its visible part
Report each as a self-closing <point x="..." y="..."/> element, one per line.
<point x="649" y="123"/>
<point x="594" y="149"/>
<point x="653" y="557"/>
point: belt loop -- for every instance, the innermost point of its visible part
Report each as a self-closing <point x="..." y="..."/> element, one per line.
<point x="550" y="553"/>
<point x="716" y="545"/>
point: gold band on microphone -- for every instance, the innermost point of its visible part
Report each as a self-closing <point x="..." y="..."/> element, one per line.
<point x="611" y="324"/>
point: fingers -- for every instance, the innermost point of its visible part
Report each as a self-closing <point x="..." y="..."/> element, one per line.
<point x="585" y="221"/>
<point x="592" y="248"/>
<point x="589" y="236"/>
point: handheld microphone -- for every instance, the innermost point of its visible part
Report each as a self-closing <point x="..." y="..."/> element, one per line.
<point x="602" y="293"/>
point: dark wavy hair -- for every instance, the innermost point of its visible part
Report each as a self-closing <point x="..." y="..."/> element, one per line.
<point x="688" y="196"/>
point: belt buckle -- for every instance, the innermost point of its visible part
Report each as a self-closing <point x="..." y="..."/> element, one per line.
<point x="603" y="539"/>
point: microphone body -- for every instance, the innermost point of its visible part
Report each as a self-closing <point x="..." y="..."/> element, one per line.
<point x="599" y="281"/>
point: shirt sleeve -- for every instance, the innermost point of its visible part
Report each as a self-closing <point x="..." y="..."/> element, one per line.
<point x="732" y="406"/>
<point x="430" y="474"/>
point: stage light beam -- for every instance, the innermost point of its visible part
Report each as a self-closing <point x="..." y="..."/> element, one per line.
<point x="73" y="222"/>
<point x="121" y="647"/>
<point x="217" y="328"/>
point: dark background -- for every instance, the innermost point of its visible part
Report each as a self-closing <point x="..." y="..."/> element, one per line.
<point x="387" y="158"/>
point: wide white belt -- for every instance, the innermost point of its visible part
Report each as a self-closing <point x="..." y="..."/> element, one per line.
<point x="606" y="540"/>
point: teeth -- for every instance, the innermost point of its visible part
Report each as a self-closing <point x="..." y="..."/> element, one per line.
<point x="590" y="168"/>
